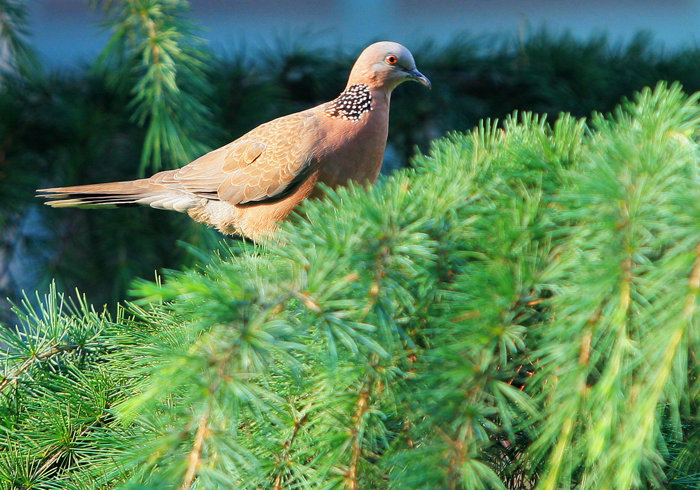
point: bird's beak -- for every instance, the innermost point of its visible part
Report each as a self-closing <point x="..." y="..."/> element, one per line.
<point x="419" y="77"/>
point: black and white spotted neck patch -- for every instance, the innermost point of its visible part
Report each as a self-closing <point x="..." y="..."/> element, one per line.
<point x="352" y="103"/>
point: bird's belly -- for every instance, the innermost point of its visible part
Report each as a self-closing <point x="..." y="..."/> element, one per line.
<point x="254" y="220"/>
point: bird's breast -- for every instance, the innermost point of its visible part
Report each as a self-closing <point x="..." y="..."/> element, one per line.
<point x="356" y="147"/>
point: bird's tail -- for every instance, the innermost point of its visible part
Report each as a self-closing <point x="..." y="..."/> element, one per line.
<point x="117" y="194"/>
<point x="93" y="195"/>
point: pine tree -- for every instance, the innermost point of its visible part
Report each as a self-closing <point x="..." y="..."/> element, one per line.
<point x="518" y="310"/>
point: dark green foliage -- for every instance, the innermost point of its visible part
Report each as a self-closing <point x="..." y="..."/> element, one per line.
<point x="518" y="310"/>
<point x="73" y="130"/>
<point x="77" y="128"/>
<point x="17" y="57"/>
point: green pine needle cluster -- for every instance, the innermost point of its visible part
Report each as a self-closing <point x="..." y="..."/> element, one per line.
<point x="518" y="310"/>
<point x="153" y="49"/>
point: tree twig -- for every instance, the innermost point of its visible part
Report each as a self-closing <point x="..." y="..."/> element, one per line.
<point x="62" y="451"/>
<point x="196" y="452"/>
<point x="29" y="362"/>
<point x="277" y="485"/>
<point x="362" y="407"/>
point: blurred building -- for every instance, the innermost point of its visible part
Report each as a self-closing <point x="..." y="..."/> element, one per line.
<point x="67" y="31"/>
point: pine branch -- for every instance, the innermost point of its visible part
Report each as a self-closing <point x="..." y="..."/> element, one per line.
<point x="193" y="459"/>
<point x="286" y="453"/>
<point x="6" y="380"/>
<point x="356" y="436"/>
<point x="152" y="39"/>
<point x="49" y="462"/>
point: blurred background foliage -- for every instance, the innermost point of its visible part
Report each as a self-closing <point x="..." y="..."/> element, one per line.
<point x="157" y="97"/>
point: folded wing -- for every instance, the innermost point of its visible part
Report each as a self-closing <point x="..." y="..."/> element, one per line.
<point x="264" y="164"/>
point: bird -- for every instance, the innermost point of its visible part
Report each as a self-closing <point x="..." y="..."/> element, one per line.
<point x="251" y="184"/>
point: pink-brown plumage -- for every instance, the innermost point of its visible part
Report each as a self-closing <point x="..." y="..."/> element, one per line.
<point x="249" y="185"/>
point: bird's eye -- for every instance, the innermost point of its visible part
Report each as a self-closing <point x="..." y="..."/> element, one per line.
<point x="391" y="59"/>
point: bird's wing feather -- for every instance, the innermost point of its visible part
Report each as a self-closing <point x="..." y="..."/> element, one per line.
<point x="260" y="165"/>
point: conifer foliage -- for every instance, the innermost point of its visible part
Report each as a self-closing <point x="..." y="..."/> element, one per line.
<point x="154" y="50"/>
<point x="519" y="310"/>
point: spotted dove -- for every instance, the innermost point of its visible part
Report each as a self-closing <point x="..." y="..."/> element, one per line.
<point x="246" y="187"/>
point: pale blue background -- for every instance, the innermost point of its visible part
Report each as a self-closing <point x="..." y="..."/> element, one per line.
<point x="68" y="31"/>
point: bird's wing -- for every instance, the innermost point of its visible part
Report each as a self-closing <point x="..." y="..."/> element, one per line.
<point x="265" y="163"/>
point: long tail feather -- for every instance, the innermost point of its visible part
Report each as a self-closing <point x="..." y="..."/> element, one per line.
<point x="94" y="195"/>
<point x="117" y="194"/>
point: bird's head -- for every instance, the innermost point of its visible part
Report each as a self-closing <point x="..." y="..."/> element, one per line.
<point x="385" y="65"/>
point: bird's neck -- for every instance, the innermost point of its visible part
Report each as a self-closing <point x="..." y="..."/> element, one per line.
<point x="356" y="100"/>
